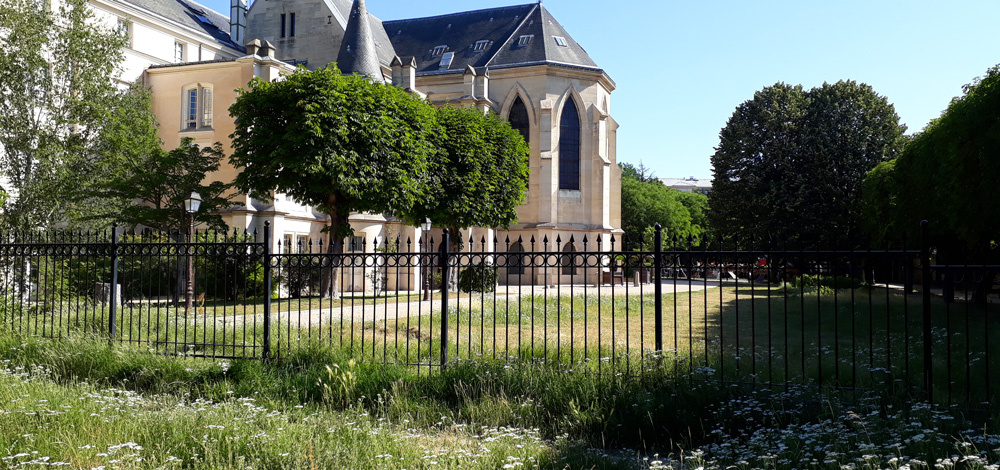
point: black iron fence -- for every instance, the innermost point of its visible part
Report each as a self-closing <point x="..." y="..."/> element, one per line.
<point x="884" y="318"/>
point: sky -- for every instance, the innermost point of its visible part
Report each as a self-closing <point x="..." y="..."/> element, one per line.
<point x="682" y="67"/>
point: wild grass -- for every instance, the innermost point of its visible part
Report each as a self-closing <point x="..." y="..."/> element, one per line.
<point x="87" y="405"/>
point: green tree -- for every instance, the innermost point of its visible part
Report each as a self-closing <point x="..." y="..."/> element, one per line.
<point x="339" y="143"/>
<point x="477" y="177"/>
<point x="790" y="163"/>
<point x="647" y="203"/>
<point x="55" y="95"/>
<point x="134" y="181"/>
<point x="947" y="175"/>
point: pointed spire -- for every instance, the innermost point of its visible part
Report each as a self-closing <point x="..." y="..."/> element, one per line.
<point x="357" y="50"/>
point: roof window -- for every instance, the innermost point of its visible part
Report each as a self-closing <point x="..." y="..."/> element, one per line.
<point x="438" y="50"/>
<point x="560" y="41"/>
<point x="524" y="40"/>
<point x="480" y="46"/>
<point x="446" y="59"/>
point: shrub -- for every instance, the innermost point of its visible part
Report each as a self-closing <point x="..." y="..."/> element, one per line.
<point x="831" y="282"/>
<point x="480" y="277"/>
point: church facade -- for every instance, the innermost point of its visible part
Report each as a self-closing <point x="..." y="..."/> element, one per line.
<point x="515" y="61"/>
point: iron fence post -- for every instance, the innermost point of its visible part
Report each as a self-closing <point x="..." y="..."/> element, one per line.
<point x="266" y="353"/>
<point x="113" y="311"/>
<point x="657" y="287"/>
<point x="443" y="264"/>
<point x="925" y="269"/>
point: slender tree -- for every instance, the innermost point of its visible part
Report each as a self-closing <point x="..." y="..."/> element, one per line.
<point x="56" y="93"/>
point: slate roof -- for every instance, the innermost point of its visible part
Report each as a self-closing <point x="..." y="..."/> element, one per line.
<point x="357" y="50"/>
<point x="383" y="46"/>
<point x="501" y="27"/>
<point x="187" y="13"/>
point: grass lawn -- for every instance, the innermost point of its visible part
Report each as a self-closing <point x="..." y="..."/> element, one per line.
<point x="849" y="338"/>
<point x="83" y="404"/>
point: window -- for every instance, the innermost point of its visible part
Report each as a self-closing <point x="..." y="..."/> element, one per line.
<point x="355" y="244"/>
<point x="560" y="41"/>
<point x="569" y="260"/>
<point x="525" y="40"/>
<point x="125" y="31"/>
<point x="518" y="118"/>
<point x="515" y="260"/>
<point x="197" y="107"/>
<point x="178" y="52"/>
<point x="291" y="25"/>
<point x="446" y="60"/>
<point x="569" y="147"/>
<point x="480" y="46"/>
<point x="438" y="50"/>
<point x="282" y="25"/>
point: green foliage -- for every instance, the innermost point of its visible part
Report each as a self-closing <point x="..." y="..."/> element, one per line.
<point x="340" y="143"/>
<point x="480" y="277"/>
<point x="790" y="162"/>
<point x="56" y="97"/>
<point x="947" y="175"/>
<point x="148" y="187"/>
<point x="479" y="174"/>
<point x="647" y="203"/>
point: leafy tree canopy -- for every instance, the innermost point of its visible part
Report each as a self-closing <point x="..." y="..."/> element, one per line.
<point x="479" y="174"/>
<point x="947" y="175"/>
<point x="790" y="162"/>
<point x="339" y="143"/>
<point x="55" y="96"/>
<point x="650" y="202"/>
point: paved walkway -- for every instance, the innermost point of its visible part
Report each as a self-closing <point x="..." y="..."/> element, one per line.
<point x="383" y="310"/>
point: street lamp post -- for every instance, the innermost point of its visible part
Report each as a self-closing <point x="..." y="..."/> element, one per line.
<point x="425" y="226"/>
<point x="191" y="205"/>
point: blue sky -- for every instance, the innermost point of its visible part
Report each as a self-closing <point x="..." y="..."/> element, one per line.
<point x="682" y="67"/>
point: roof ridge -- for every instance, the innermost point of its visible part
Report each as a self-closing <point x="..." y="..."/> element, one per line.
<point x="512" y="34"/>
<point x="459" y="13"/>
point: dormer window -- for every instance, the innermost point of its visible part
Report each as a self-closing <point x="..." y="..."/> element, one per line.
<point x="480" y="46"/>
<point x="524" y="40"/>
<point x="438" y="50"/>
<point x="560" y="41"/>
<point x="446" y="60"/>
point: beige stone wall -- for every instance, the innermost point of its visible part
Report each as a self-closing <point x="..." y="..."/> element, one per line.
<point x="319" y="29"/>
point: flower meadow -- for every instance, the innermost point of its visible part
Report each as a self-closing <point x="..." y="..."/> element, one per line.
<point x="82" y="404"/>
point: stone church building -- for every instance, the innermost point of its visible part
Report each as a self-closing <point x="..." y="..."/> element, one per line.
<point x="516" y="61"/>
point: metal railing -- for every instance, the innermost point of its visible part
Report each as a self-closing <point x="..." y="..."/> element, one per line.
<point x="763" y="314"/>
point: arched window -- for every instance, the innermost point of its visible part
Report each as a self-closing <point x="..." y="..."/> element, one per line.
<point x="515" y="261"/>
<point x="569" y="147"/>
<point x="518" y="118"/>
<point x="568" y="261"/>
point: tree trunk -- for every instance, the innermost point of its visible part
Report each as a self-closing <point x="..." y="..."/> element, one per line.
<point x="339" y="225"/>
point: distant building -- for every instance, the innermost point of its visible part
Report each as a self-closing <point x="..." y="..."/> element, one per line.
<point x="689" y="184"/>
<point x="515" y="61"/>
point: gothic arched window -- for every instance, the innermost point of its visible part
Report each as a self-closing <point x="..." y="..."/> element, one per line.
<point x="569" y="147"/>
<point x="518" y="118"/>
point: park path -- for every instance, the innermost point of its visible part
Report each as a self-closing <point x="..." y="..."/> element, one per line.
<point x="389" y="310"/>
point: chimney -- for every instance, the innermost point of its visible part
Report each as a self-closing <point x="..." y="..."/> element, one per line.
<point x="253" y="47"/>
<point x="469" y="78"/>
<point x="237" y="20"/>
<point x="404" y="73"/>
<point x="482" y="89"/>
<point x="266" y="50"/>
